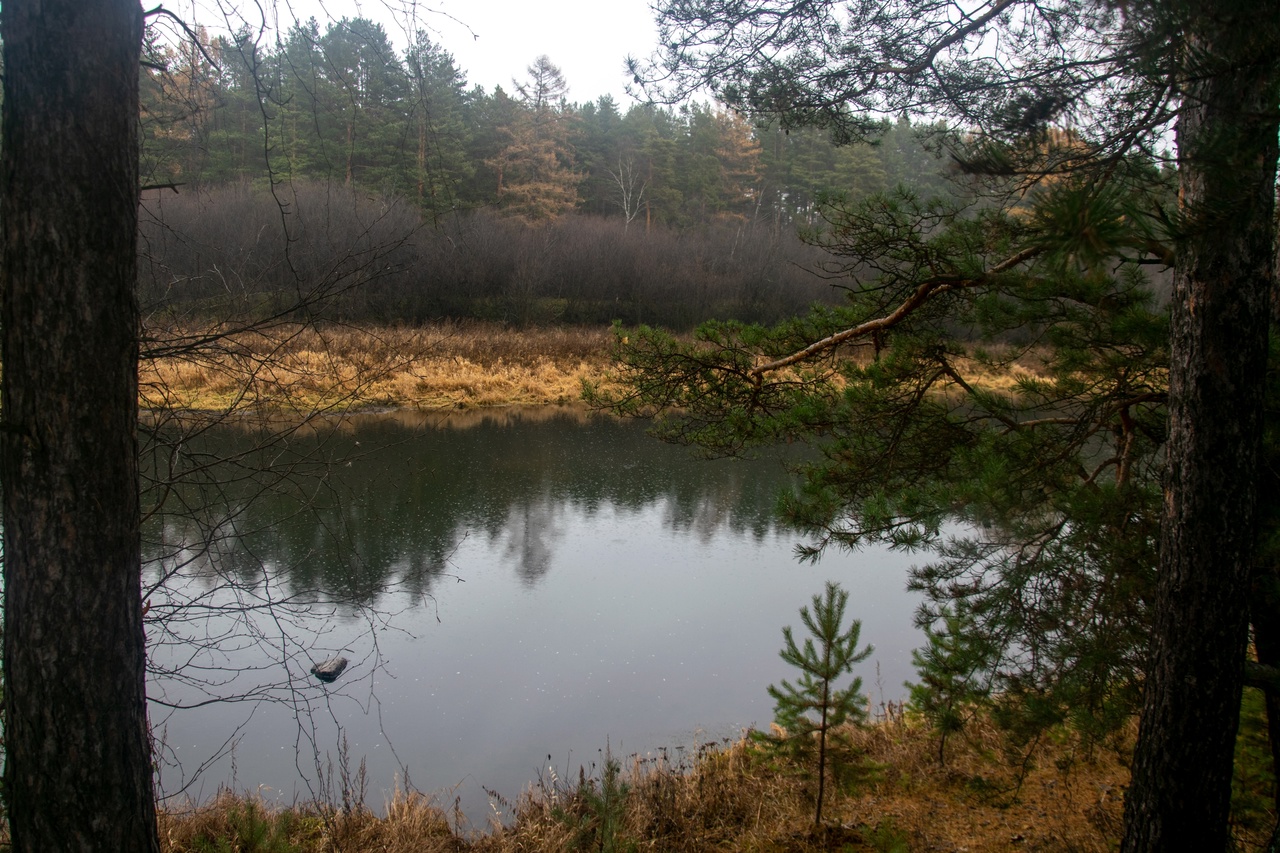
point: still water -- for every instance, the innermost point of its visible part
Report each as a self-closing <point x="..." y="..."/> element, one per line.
<point x="515" y="592"/>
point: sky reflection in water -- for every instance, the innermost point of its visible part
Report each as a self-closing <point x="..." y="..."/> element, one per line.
<point x="522" y="586"/>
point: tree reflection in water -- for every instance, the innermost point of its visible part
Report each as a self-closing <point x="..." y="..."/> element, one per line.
<point x="504" y="584"/>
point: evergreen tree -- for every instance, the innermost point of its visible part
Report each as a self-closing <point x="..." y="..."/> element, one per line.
<point x="698" y="165"/>
<point x="234" y="147"/>
<point x="908" y="154"/>
<point x="437" y="112"/>
<point x="815" y="693"/>
<point x="600" y="150"/>
<point x="951" y="666"/>
<point x="738" y="152"/>
<point x="363" y="118"/>
<point x="652" y="133"/>
<point x="179" y="94"/>
<point x="1057" y="475"/>
<point x="1121" y="75"/>
<point x="301" y="107"/>
<point x="536" y="176"/>
<point x="488" y="116"/>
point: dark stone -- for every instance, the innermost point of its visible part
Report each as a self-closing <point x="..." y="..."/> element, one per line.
<point x="328" y="671"/>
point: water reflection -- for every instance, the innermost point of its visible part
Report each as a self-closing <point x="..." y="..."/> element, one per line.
<point x="506" y="587"/>
<point x="397" y="495"/>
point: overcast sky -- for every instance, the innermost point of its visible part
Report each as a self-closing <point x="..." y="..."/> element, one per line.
<point x="492" y="41"/>
<point x="588" y="39"/>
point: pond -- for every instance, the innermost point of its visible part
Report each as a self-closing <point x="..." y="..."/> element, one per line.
<point x="515" y="592"/>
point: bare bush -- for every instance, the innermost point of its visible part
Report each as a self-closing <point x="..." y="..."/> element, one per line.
<point x="237" y="252"/>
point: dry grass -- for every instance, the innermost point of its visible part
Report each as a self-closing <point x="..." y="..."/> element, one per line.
<point x="447" y="366"/>
<point x="245" y="824"/>
<point x="732" y="797"/>
<point x="1006" y="380"/>
<point x="296" y="368"/>
<point x="1057" y="796"/>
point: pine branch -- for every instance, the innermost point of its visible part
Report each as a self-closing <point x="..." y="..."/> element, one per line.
<point x="923" y="293"/>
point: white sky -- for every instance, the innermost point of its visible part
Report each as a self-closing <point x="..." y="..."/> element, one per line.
<point x="491" y="41"/>
<point x="588" y="39"/>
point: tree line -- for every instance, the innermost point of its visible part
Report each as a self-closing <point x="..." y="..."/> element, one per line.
<point x="342" y="106"/>
<point x="329" y="148"/>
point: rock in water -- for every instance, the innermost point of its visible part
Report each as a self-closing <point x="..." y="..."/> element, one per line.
<point x="328" y="671"/>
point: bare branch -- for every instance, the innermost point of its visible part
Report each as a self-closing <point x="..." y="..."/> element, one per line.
<point x="191" y="34"/>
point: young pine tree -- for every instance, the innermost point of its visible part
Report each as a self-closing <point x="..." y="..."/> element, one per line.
<point x="812" y="708"/>
<point x="952" y="666"/>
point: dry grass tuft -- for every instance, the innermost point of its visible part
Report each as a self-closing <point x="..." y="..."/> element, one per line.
<point x="413" y="823"/>
<point x="723" y="799"/>
<point x="1057" y="797"/>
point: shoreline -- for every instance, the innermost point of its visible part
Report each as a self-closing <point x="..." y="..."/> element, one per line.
<point x="1061" y="795"/>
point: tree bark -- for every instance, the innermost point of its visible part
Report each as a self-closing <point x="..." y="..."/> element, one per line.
<point x="1179" y="798"/>
<point x="78" y="764"/>
<point x="1265" y="618"/>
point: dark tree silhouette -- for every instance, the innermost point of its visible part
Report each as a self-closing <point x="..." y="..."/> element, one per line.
<point x="77" y="761"/>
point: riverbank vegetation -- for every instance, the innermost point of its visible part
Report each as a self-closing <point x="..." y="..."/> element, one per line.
<point x="1056" y="796"/>
<point x="445" y="365"/>
<point x="287" y="367"/>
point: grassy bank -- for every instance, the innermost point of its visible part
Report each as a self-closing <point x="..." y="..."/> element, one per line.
<point x="441" y="366"/>
<point x="730" y="797"/>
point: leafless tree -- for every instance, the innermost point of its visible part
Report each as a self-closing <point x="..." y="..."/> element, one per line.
<point x="630" y="197"/>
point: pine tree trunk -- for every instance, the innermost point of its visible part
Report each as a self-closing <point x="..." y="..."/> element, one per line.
<point x="422" y="160"/>
<point x="1266" y="635"/>
<point x="1180" y="793"/>
<point x="77" y="763"/>
<point x="822" y="758"/>
<point x="351" y="148"/>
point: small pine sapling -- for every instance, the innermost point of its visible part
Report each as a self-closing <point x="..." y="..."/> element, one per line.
<point x="951" y="668"/>
<point x="815" y="693"/>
